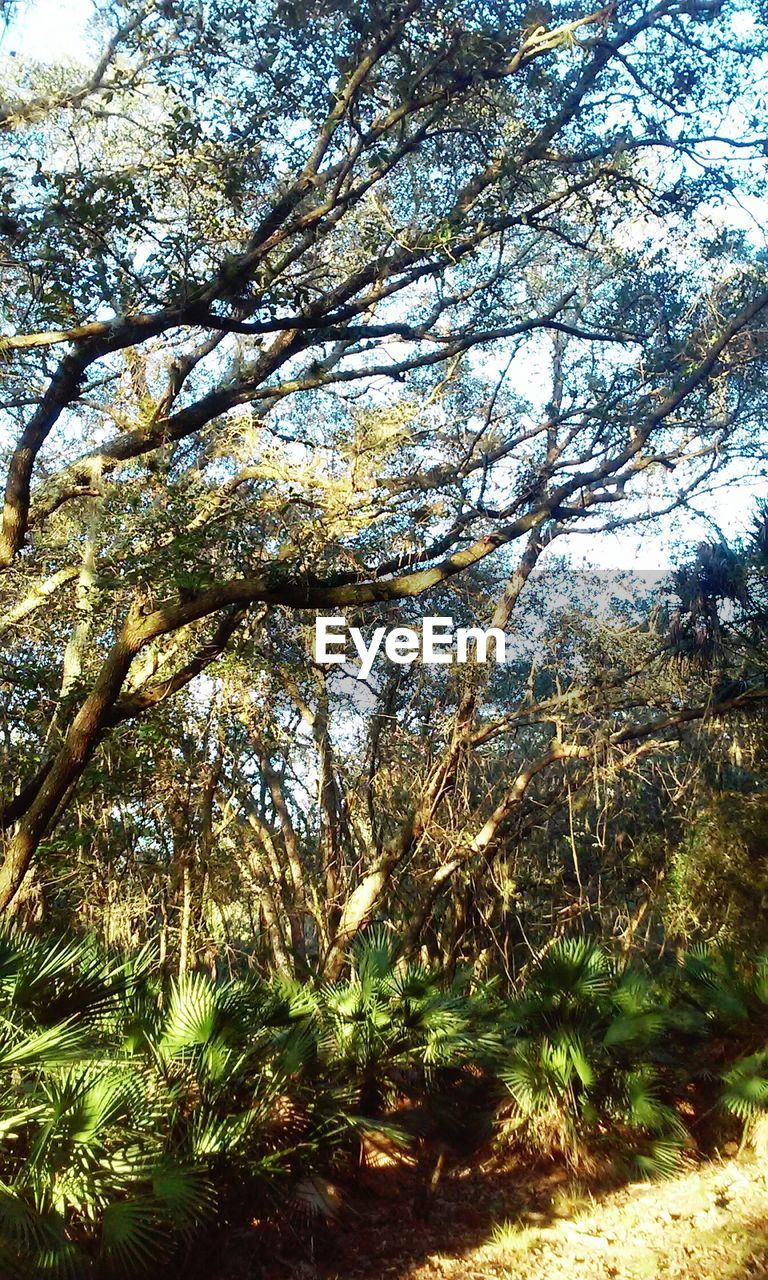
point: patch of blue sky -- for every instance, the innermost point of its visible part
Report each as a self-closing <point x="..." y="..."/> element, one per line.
<point x="51" y="30"/>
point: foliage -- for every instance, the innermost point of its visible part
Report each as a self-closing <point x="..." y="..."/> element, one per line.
<point x="366" y="309"/>
<point x="584" y="1061"/>
<point x="132" y="1122"/>
<point x="717" y="883"/>
<point x="135" y="1115"/>
<point x="359" y="307"/>
<point x="612" y="1059"/>
<point x="148" y="1112"/>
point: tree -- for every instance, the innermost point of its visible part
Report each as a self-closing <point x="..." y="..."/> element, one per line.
<point x="281" y="287"/>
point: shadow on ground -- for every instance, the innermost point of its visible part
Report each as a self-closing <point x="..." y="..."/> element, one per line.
<point x="709" y="1223"/>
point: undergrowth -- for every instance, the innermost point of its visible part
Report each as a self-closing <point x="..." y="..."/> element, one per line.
<point x="136" y="1114"/>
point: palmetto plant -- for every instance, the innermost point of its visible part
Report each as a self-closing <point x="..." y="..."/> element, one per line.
<point x="392" y="1026"/>
<point x="144" y="1111"/>
<point x="415" y="1056"/>
<point x="582" y="1063"/>
<point x="136" y="1113"/>
<point x="605" y="1054"/>
<point x="128" y="1122"/>
<point x="724" y="1005"/>
<point x="75" y="1142"/>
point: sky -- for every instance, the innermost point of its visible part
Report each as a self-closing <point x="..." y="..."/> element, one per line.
<point x="49" y="30"/>
<point x="52" y="30"/>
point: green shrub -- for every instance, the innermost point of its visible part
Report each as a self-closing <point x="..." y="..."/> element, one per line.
<point x="135" y="1114"/>
<point x="582" y="1067"/>
<point x="717" y="877"/>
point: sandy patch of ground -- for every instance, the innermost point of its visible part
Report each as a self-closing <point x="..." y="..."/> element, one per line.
<point x="710" y="1223"/>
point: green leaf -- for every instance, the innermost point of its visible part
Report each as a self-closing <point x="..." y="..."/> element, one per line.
<point x="132" y="1238"/>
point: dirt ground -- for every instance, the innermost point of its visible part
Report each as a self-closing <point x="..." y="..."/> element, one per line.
<point x="708" y="1223"/>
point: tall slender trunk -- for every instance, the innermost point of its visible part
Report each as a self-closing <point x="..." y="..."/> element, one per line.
<point x="69" y="762"/>
<point x="185" y="916"/>
<point x="297" y="913"/>
<point x="85" y="596"/>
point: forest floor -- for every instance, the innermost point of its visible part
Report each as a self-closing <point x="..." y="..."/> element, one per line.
<point x="708" y="1223"/>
